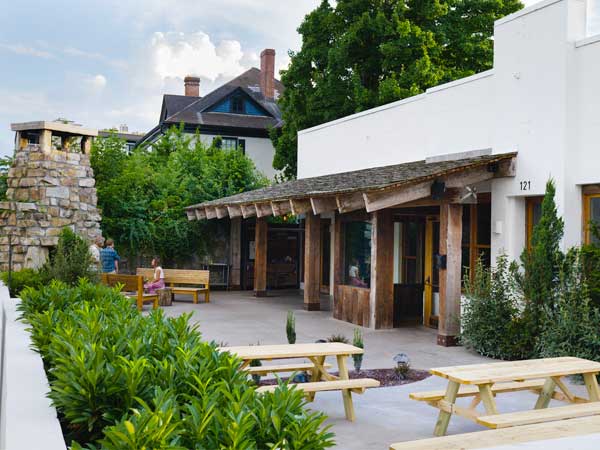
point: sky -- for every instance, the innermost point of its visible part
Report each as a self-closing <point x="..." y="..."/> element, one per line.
<point x="104" y="63"/>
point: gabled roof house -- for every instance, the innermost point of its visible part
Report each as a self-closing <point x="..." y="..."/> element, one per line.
<point x="241" y="112"/>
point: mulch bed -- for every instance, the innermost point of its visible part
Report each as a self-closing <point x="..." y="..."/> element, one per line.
<point x="387" y="377"/>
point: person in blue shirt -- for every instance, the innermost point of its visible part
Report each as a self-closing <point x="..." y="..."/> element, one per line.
<point x="109" y="258"/>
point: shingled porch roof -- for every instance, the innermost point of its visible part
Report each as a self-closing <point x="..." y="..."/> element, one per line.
<point x="370" y="189"/>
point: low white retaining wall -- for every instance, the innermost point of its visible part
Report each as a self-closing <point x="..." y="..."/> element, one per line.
<point x="27" y="420"/>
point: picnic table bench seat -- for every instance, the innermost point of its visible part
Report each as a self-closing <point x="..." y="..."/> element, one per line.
<point x="275" y="368"/>
<point x="540" y="415"/>
<point x="469" y="391"/>
<point x="358" y="385"/>
<point x="506" y="436"/>
<point x="183" y="281"/>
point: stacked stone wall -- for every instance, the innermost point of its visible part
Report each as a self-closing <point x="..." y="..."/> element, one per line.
<point x="47" y="191"/>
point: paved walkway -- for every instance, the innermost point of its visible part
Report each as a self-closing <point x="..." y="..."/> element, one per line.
<point x="383" y="415"/>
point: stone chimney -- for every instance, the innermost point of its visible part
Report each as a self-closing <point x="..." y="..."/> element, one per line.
<point x="192" y="86"/>
<point x="267" y="73"/>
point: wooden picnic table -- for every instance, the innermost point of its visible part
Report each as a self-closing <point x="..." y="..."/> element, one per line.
<point x="320" y="379"/>
<point x="484" y="381"/>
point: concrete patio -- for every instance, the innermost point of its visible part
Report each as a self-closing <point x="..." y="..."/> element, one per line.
<point x="384" y="415"/>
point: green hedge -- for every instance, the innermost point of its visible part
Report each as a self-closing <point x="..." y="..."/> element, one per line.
<point x="122" y="380"/>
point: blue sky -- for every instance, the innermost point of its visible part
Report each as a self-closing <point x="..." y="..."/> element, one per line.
<point x="103" y="63"/>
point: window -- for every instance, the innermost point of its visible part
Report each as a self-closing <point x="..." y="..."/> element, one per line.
<point x="229" y="143"/>
<point x="476" y="236"/>
<point x="357" y="254"/>
<point x="533" y="207"/>
<point x="411" y="252"/>
<point x="238" y="105"/>
<point x="591" y="214"/>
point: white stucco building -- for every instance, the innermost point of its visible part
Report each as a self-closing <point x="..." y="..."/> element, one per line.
<point x="541" y="99"/>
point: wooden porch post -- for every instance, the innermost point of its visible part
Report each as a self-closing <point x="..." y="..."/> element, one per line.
<point x="260" y="258"/>
<point x="235" y="251"/>
<point x="382" y="269"/>
<point x="338" y="266"/>
<point x="312" y="262"/>
<point x="450" y="284"/>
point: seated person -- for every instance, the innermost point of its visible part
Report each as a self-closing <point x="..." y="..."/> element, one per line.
<point x="159" y="277"/>
<point x="354" y="274"/>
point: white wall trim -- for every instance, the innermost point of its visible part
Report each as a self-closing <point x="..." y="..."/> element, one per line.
<point x="588" y="41"/>
<point x="465" y="80"/>
<point x="525" y="11"/>
<point x="27" y="419"/>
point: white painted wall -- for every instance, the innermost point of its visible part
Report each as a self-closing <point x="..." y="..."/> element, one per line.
<point x="542" y="99"/>
<point x="259" y="150"/>
<point x="27" y="420"/>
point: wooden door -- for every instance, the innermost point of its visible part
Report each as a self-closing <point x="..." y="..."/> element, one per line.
<point x="432" y="274"/>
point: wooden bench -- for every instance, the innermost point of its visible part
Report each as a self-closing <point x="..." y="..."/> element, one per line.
<point x="264" y="370"/>
<point x="183" y="281"/>
<point x="471" y="391"/>
<point x="132" y="287"/>
<point x="358" y="386"/>
<point x="540" y="415"/>
<point x="506" y="436"/>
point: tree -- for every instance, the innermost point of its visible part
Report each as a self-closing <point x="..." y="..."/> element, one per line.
<point x="360" y="54"/>
<point x="5" y="164"/>
<point x="541" y="264"/>
<point x="143" y="195"/>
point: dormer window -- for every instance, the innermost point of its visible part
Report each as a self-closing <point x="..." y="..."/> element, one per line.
<point x="238" y="105"/>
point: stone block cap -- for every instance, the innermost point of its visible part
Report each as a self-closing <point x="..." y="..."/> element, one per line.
<point x="268" y="51"/>
<point x="191" y="79"/>
<point x="54" y="126"/>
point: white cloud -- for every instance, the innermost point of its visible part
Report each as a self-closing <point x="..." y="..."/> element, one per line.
<point x="95" y="82"/>
<point x="180" y="54"/>
<point x="20" y="49"/>
<point x="78" y="53"/>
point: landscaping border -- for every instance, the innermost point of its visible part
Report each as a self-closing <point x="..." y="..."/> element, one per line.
<point x="27" y="418"/>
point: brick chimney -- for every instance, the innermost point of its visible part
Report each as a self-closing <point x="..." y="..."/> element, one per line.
<point x="192" y="86"/>
<point x="267" y="73"/>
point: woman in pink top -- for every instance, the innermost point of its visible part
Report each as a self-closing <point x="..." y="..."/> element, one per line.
<point x="159" y="277"/>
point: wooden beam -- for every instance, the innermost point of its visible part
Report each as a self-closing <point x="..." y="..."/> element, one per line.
<point x="322" y="205"/>
<point x="450" y="283"/>
<point x="263" y="209"/>
<point x="312" y="262"/>
<point x="507" y="168"/>
<point x="300" y="206"/>
<point x="382" y="270"/>
<point x="221" y="212"/>
<point x="191" y="214"/>
<point x="234" y="211"/>
<point x="211" y="212"/>
<point x="338" y="267"/>
<point x="200" y="214"/>
<point x="235" y="251"/>
<point x="260" y="257"/>
<point x="350" y="202"/>
<point x="381" y="200"/>
<point x="248" y="211"/>
<point x="281" y="208"/>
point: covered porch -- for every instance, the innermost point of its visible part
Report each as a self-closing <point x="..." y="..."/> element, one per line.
<point x="389" y="244"/>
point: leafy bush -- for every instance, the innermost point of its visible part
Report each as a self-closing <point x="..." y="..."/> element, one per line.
<point x="71" y="259"/>
<point x="122" y="380"/>
<point x="24" y="278"/>
<point x="572" y="327"/>
<point x="590" y="259"/>
<point x="338" y="338"/>
<point x="290" y="328"/>
<point x="491" y="317"/>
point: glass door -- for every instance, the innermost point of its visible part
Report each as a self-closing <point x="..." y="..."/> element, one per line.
<point x="432" y="273"/>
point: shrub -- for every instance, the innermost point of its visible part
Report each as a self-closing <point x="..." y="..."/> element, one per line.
<point x="290" y="328"/>
<point x="491" y="317"/>
<point x="24" y="278"/>
<point x="572" y="327"/>
<point x="71" y="260"/>
<point x="358" y="342"/>
<point x="338" y="338"/>
<point x="590" y="260"/>
<point x="122" y="380"/>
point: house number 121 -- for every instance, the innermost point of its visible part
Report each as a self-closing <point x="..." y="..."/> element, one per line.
<point x="525" y="185"/>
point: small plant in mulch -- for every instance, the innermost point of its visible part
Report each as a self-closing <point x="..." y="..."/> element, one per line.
<point x="358" y="342"/>
<point x="402" y="365"/>
<point x="338" y="338"/>
<point x="290" y="328"/>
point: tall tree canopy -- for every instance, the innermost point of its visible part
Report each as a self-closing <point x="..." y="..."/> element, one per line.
<point x="360" y="54"/>
<point x="143" y="195"/>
